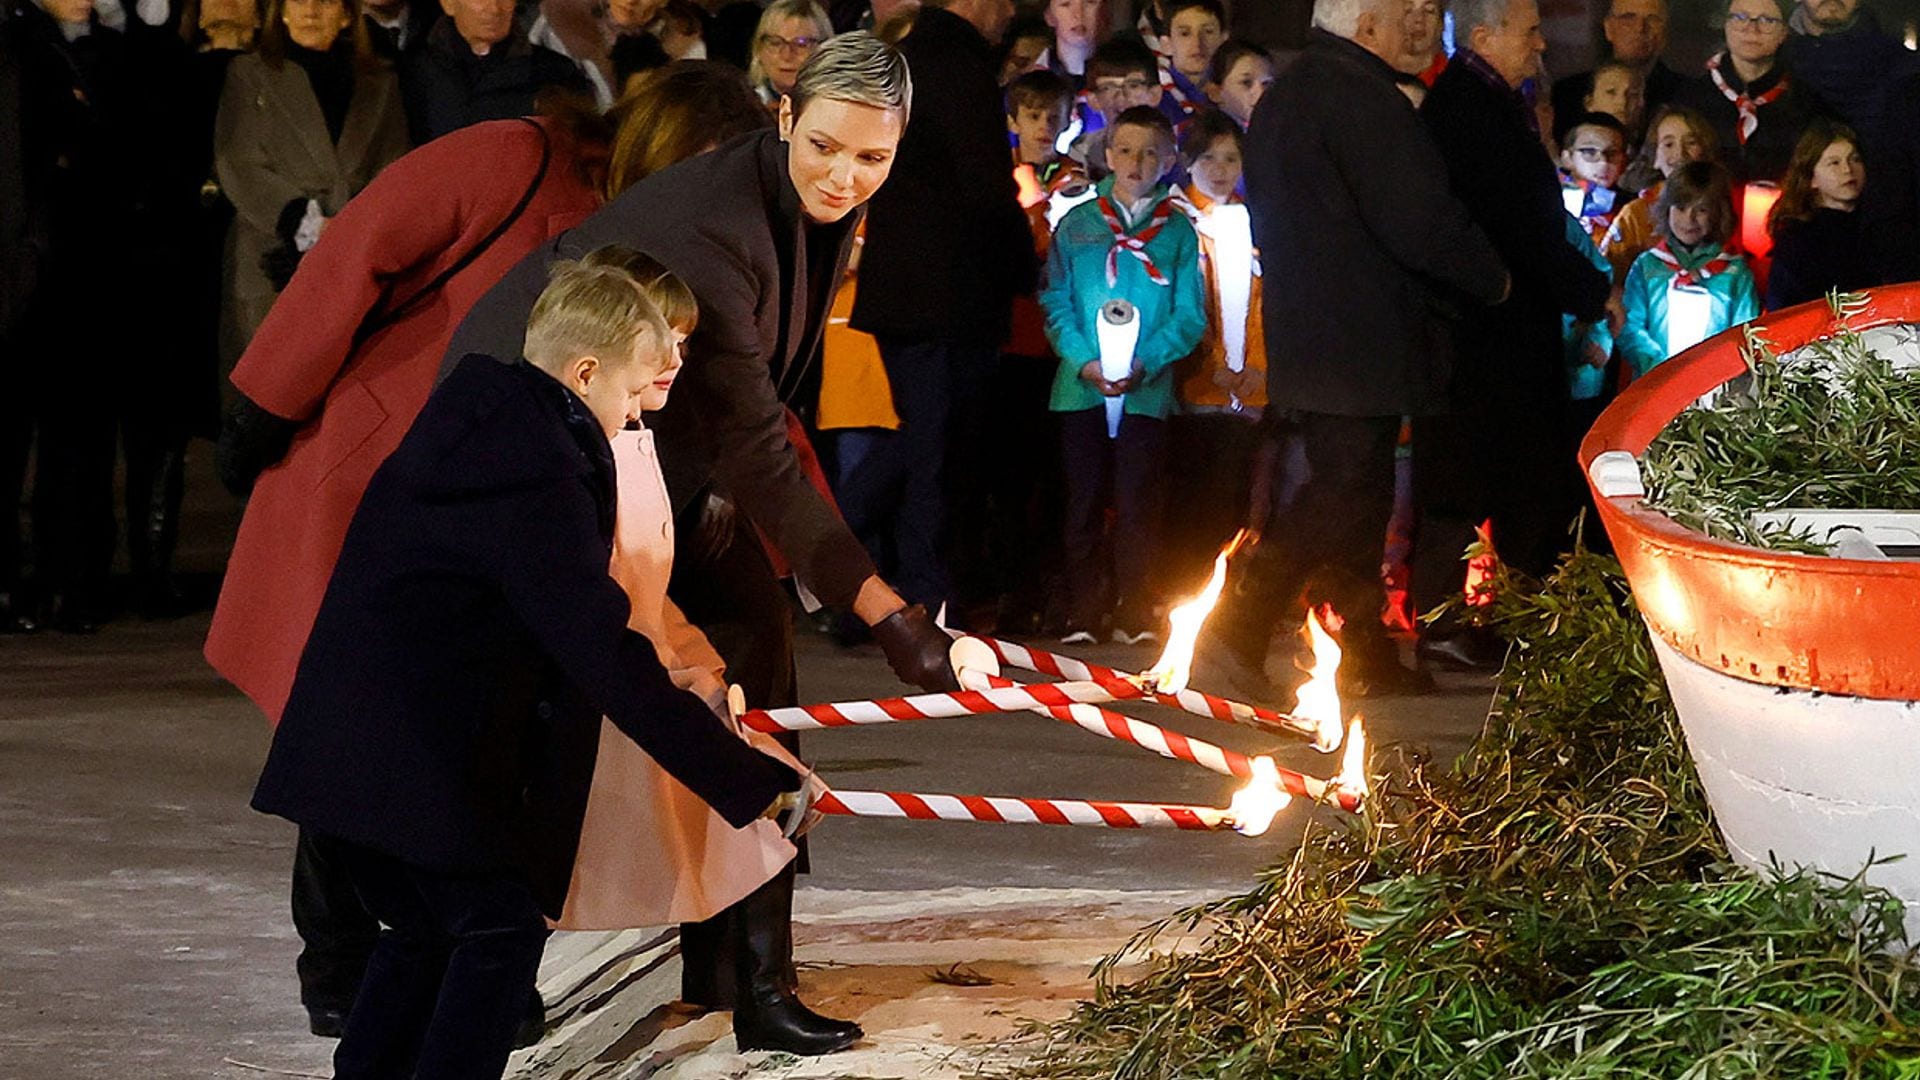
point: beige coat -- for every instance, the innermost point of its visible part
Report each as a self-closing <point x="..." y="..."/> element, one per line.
<point x="271" y="147"/>
<point x="651" y="852"/>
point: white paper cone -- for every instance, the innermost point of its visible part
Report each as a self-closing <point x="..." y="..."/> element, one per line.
<point x="1118" y="330"/>
<point x="1231" y="231"/>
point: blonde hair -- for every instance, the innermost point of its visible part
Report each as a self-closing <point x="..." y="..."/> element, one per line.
<point x="662" y="286"/>
<point x="855" y="67"/>
<point x="809" y="10"/>
<point x="594" y="310"/>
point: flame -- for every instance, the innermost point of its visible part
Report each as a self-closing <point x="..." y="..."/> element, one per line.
<point x="1481" y="564"/>
<point x="1254" y="806"/>
<point x="1170" y="674"/>
<point x="1318" y="700"/>
<point x="1353" y="763"/>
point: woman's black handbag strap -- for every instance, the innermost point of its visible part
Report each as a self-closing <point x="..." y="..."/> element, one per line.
<point x="391" y="315"/>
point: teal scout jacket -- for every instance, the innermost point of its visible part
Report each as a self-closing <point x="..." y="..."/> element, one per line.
<point x="1643" y="340"/>
<point x="1172" y="316"/>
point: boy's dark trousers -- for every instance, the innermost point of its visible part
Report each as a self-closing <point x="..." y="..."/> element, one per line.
<point x="1127" y="471"/>
<point x="447" y="985"/>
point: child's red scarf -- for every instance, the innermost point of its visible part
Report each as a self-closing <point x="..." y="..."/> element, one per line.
<point x="1135" y="245"/>
<point x="1699" y="275"/>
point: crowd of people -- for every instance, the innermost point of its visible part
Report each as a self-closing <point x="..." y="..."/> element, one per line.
<point x="1015" y="315"/>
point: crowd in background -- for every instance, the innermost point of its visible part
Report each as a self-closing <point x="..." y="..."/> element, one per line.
<point x="1072" y="359"/>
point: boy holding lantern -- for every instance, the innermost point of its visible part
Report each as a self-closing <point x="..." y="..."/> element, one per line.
<point x="1114" y="386"/>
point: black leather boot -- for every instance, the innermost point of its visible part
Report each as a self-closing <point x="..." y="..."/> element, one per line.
<point x="153" y="531"/>
<point x="767" y="1015"/>
<point x="707" y="961"/>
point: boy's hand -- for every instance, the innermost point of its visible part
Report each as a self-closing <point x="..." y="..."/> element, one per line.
<point x="1249" y="383"/>
<point x="1090" y="374"/>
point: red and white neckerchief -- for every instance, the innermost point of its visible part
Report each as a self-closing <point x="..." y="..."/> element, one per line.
<point x="1699" y="275"/>
<point x="1747" y="105"/>
<point x="1172" y="89"/>
<point x="1135" y="245"/>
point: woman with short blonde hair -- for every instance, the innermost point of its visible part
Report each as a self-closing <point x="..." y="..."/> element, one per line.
<point x="789" y="32"/>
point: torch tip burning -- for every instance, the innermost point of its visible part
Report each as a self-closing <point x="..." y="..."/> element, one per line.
<point x="1254" y="806"/>
<point x="1171" y="673"/>
<point x="1353" y="763"/>
<point x="1318" y="700"/>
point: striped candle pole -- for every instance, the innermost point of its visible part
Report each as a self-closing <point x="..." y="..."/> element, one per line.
<point x="1168" y="744"/>
<point x="1015" y="811"/>
<point x="1106" y="680"/>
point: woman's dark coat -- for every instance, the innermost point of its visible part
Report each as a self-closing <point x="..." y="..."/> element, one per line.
<point x="728" y="223"/>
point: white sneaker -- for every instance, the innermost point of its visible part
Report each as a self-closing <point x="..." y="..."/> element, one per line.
<point x="1078" y="637"/>
<point x="1134" y="637"/>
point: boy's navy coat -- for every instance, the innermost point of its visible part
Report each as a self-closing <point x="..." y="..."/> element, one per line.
<point x="447" y="708"/>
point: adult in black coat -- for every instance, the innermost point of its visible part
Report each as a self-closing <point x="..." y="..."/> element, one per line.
<point x="947" y="251"/>
<point x="1890" y="205"/>
<point x="1838" y="49"/>
<point x="1636" y="35"/>
<point x="1752" y="70"/>
<point x="442" y="729"/>
<point x="760" y="229"/>
<point x="22" y="238"/>
<point x="1362" y="244"/>
<point x="78" y="181"/>
<point x="1500" y="453"/>
<point x="477" y="65"/>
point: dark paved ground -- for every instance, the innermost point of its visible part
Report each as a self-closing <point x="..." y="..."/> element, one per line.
<point x="143" y="926"/>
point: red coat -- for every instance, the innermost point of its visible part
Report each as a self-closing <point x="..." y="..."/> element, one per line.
<point x="419" y="216"/>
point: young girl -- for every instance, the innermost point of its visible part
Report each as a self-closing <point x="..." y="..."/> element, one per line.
<point x="1817" y="243"/>
<point x="1220" y="389"/>
<point x="1687" y="287"/>
<point x="651" y="853"/>
<point x="1677" y="136"/>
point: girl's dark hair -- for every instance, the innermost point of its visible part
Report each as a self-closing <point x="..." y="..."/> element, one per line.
<point x="1698" y="183"/>
<point x="1205" y="129"/>
<point x="189" y="13"/>
<point x="1231" y="52"/>
<point x="1797" y="198"/>
<point x="272" y="41"/>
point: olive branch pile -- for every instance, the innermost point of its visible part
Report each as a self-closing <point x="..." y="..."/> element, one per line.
<point x="1556" y="904"/>
<point x="1836" y="426"/>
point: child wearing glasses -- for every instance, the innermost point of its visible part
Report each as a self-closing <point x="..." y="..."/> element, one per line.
<point x="1593" y="155"/>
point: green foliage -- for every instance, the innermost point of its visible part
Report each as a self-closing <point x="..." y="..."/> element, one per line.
<point x="1839" y="428"/>
<point x="1556" y="904"/>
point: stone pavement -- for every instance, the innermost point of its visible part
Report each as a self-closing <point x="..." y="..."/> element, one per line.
<point x="144" y="929"/>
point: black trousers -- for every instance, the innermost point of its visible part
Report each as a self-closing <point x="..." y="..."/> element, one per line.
<point x="337" y="934"/>
<point x="1213" y="455"/>
<point x="1006" y="490"/>
<point x="732" y="595"/>
<point x="1128" y="473"/>
<point x="899" y="498"/>
<point x="446" y="988"/>
<point x="1332" y="536"/>
<point x="16" y="443"/>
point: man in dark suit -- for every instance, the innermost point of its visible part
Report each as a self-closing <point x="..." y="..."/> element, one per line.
<point x="478" y="64"/>
<point x="1636" y="33"/>
<point x="442" y="730"/>
<point x="1361" y="240"/>
<point x="1500" y="452"/>
<point x="947" y="250"/>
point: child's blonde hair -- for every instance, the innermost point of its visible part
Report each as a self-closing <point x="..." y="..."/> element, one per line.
<point x="590" y="310"/>
<point x="1693" y="184"/>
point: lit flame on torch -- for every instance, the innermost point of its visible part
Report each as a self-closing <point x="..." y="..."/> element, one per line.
<point x="1353" y="763"/>
<point x="1254" y="806"/>
<point x="1318" y="700"/>
<point x="1169" y="675"/>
